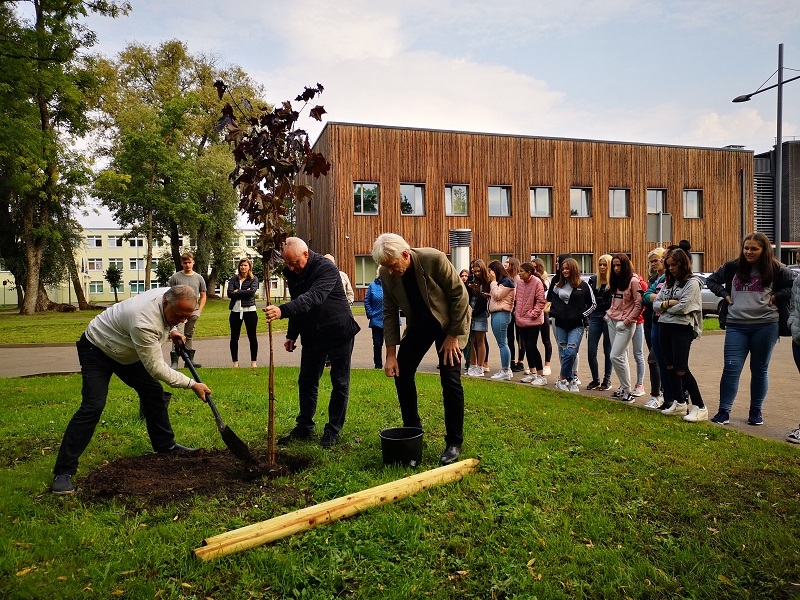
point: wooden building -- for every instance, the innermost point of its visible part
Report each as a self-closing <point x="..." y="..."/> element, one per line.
<point x="523" y="196"/>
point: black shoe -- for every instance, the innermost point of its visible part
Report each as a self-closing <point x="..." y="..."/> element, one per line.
<point x="378" y="366"/>
<point x="178" y="448"/>
<point x="517" y="367"/>
<point x="62" y="485"/>
<point x="450" y="455"/>
<point x="593" y="385"/>
<point x="605" y="386"/>
<point x="295" y="434"/>
<point x="329" y="439"/>
<point x="755" y="417"/>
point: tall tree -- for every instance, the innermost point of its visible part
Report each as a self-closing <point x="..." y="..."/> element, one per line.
<point x="44" y="81"/>
<point x="159" y="109"/>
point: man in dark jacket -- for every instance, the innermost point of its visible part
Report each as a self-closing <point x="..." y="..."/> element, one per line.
<point x="320" y="314"/>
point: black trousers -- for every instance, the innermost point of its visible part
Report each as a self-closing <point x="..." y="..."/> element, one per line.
<point x="377" y="347"/>
<point x="312" y="365"/>
<point x="413" y="348"/>
<point x="251" y="324"/>
<point x="96" y="371"/>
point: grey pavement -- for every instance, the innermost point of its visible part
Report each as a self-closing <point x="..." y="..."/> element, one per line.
<point x="781" y="409"/>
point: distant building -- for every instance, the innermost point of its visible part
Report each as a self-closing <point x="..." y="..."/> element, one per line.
<point x="488" y="196"/>
<point x="764" y="184"/>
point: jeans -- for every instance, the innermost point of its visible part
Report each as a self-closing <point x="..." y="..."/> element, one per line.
<point x="96" y="371"/>
<point x="312" y="365"/>
<point x="250" y="320"/>
<point x="377" y="347"/>
<point x="621" y="336"/>
<point x="569" y="342"/>
<point x="676" y="341"/>
<point x="741" y="339"/>
<point x="638" y="352"/>
<point x="598" y="329"/>
<point x="413" y="347"/>
<point x="500" y="321"/>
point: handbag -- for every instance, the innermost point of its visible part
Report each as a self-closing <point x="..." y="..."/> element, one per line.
<point x="722" y="311"/>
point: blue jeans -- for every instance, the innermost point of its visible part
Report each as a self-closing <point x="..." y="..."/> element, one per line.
<point x="500" y="321"/>
<point x="758" y="340"/>
<point x="598" y="328"/>
<point x="569" y="342"/>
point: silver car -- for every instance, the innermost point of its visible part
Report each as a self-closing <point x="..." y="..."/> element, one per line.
<point x="710" y="299"/>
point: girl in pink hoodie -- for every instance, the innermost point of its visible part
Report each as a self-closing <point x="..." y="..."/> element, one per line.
<point x="626" y="306"/>
<point x="529" y="317"/>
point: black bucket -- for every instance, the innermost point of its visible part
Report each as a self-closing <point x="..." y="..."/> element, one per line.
<point x="401" y="446"/>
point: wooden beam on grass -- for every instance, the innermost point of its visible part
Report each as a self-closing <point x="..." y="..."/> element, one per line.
<point x="265" y="532"/>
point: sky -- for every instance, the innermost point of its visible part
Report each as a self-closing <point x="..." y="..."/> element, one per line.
<point x="651" y="71"/>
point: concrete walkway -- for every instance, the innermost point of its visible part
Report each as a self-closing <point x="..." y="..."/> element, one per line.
<point x="781" y="409"/>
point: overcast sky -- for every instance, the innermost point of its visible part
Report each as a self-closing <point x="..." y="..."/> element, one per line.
<point x="654" y="71"/>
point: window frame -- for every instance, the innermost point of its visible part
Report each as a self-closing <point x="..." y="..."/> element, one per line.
<point x="532" y="199"/>
<point x="699" y="196"/>
<point x="581" y="258"/>
<point x="417" y="187"/>
<point x="94" y="241"/>
<point x="612" y="201"/>
<point x="663" y="200"/>
<point x="115" y="241"/>
<point x="360" y="185"/>
<point x="364" y="271"/>
<point x="448" y="202"/>
<point x="504" y="202"/>
<point x="118" y="262"/>
<point x="548" y="258"/>
<point x="94" y="264"/>
<point x="588" y="192"/>
<point x="95" y="284"/>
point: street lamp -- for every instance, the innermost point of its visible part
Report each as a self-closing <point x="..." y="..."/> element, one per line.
<point x="778" y="144"/>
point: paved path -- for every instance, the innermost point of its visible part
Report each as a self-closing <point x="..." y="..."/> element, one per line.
<point x="781" y="412"/>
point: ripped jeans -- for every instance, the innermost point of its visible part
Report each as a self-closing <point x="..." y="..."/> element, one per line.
<point x="569" y="342"/>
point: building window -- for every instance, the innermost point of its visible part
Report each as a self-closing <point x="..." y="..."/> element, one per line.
<point x="547" y="259"/>
<point x="541" y="202"/>
<point x="251" y="241"/>
<point x="115" y="241"/>
<point x="120" y="289"/>
<point x="94" y="241"/>
<point x="95" y="264"/>
<point x="619" y="202"/>
<point x="273" y="284"/>
<point x="115" y="262"/>
<point x="656" y="201"/>
<point x="499" y="201"/>
<point x="137" y="287"/>
<point x="136" y="264"/>
<point x="692" y="204"/>
<point x="158" y="242"/>
<point x="456" y="200"/>
<point x="365" y="198"/>
<point x="585" y="262"/>
<point x="366" y="270"/>
<point x="698" y="260"/>
<point x="412" y="199"/>
<point x="501" y="258"/>
<point x="95" y="287"/>
<point x="136" y="242"/>
<point x="580" y="202"/>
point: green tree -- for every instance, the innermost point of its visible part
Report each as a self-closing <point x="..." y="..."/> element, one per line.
<point x="165" y="269"/>
<point x="44" y="80"/>
<point x="113" y="276"/>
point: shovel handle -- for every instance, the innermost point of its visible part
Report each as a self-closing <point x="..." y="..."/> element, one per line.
<point x="181" y="349"/>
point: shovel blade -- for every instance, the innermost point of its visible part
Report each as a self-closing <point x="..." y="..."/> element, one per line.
<point x="235" y="444"/>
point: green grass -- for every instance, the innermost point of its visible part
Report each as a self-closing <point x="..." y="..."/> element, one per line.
<point x="576" y="497"/>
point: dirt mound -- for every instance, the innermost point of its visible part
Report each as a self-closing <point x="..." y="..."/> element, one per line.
<point x="158" y="479"/>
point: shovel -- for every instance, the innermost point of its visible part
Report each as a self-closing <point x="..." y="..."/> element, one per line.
<point x="232" y="441"/>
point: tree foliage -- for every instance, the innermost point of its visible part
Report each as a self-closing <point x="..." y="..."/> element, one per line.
<point x="113" y="275"/>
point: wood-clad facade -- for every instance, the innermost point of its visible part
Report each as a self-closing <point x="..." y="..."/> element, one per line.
<point x="432" y="159"/>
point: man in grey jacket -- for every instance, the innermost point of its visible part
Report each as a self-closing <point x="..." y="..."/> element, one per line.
<point x="125" y="340"/>
<point x="426" y="287"/>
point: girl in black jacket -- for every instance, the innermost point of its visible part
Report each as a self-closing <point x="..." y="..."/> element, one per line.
<point x="242" y="290"/>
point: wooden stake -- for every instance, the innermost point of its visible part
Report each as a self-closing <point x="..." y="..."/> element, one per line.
<point x="265" y="532"/>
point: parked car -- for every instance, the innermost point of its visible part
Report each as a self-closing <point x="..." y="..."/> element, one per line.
<point x="710" y="299"/>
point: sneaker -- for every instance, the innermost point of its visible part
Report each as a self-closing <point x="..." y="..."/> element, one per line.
<point x="573" y="385"/>
<point x="576" y="380"/>
<point x="638" y="391"/>
<point x="517" y="367"/>
<point x="529" y="377"/>
<point x="540" y="380"/>
<point x="563" y="385"/>
<point x="503" y="375"/>
<point x="605" y="386"/>
<point x="794" y="436"/>
<point x="723" y="417"/>
<point x="654" y="403"/>
<point x="618" y="393"/>
<point x="62" y="485"/>
<point x="329" y="439"/>
<point x="475" y="372"/>
<point x="593" y="384"/>
<point x="546" y="371"/>
<point x="697" y="414"/>
<point x="629" y="398"/>
<point x="755" y="417"/>
<point x="485" y="369"/>
<point x="295" y="434"/>
<point x="677" y="409"/>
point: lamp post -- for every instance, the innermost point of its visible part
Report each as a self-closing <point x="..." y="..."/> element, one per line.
<point x="778" y="145"/>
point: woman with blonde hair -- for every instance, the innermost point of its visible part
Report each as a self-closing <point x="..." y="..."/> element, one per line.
<point x="655" y="359"/>
<point x="242" y="289"/>
<point x="597" y="326"/>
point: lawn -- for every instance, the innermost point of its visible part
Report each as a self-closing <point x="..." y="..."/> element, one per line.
<point x="575" y="497"/>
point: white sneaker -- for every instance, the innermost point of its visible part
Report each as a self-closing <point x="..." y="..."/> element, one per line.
<point x="576" y="380"/>
<point x="539" y="380"/>
<point x="794" y="436"/>
<point x="654" y="403"/>
<point x="677" y="409"/>
<point x="528" y="378"/>
<point x="619" y="392"/>
<point x="563" y="385"/>
<point x="696" y="414"/>
<point x="638" y="391"/>
<point x="546" y="370"/>
<point x="485" y="369"/>
<point x="475" y="371"/>
<point x="503" y="375"/>
<point x="573" y="385"/>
